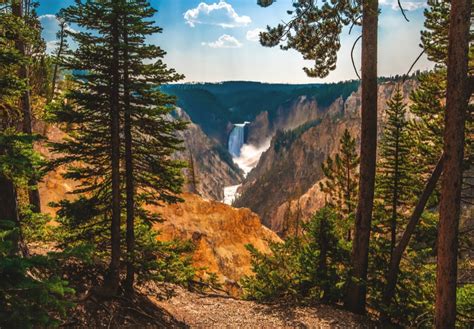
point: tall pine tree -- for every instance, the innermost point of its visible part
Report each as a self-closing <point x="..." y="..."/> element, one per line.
<point x="395" y="179"/>
<point x="151" y="176"/>
<point x="122" y="131"/>
<point x="341" y="183"/>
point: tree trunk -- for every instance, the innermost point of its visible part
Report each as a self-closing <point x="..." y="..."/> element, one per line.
<point x="348" y="196"/>
<point x="392" y="274"/>
<point x="23" y="73"/>
<point x="9" y="212"/>
<point x="393" y="222"/>
<point x="323" y="245"/>
<point x="356" y="293"/>
<point x="112" y="281"/>
<point x="129" y="178"/>
<point x="58" y="56"/>
<point x="449" y="209"/>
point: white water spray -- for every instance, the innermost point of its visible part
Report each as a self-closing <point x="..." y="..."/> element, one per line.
<point x="246" y="156"/>
<point x="237" y="139"/>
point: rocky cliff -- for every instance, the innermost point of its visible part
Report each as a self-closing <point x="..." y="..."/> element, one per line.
<point x="219" y="233"/>
<point x="212" y="164"/>
<point x="285" y="181"/>
<point x="287" y="116"/>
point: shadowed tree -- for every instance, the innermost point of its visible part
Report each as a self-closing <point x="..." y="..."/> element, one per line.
<point x="314" y="31"/>
<point x="121" y="128"/>
<point x="341" y="183"/>
<point x="457" y="95"/>
<point x="25" y="44"/>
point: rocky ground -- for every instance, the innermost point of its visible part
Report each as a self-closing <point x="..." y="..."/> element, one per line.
<point x="196" y="310"/>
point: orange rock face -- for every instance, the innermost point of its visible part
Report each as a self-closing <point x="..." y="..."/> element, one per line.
<point x="219" y="232"/>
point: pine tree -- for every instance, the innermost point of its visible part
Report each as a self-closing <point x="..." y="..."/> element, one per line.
<point x="395" y="179"/>
<point x="92" y="115"/>
<point x="314" y="31"/>
<point x="341" y="183"/>
<point x="121" y="127"/>
<point x="62" y="44"/>
<point x="14" y="32"/>
<point x="395" y="198"/>
<point x="150" y="176"/>
<point x="26" y="299"/>
<point x="458" y="92"/>
<point x="25" y="45"/>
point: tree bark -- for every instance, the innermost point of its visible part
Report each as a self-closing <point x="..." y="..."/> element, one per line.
<point x="392" y="273"/>
<point x="58" y="56"/>
<point x="129" y="173"/>
<point x="9" y="212"/>
<point x="449" y="210"/>
<point x="393" y="223"/>
<point x="25" y="101"/>
<point x="323" y="245"/>
<point x="112" y="281"/>
<point x="356" y="293"/>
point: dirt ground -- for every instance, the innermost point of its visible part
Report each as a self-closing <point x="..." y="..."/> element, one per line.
<point x="214" y="311"/>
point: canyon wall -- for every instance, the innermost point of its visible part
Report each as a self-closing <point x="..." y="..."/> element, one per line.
<point x="286" y="179"/>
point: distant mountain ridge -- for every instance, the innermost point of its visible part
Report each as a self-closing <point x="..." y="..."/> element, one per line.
<point x="216" y="106"/>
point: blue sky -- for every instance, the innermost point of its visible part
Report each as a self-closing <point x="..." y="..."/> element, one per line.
<point x="214" y="40"/>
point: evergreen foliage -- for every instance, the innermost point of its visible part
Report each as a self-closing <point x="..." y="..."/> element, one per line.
<point x="314" y="31"/>
<point x="394" y="185"/>
<point x="311" y="267"/>
<point x="149" y="175"/>
<point x="340" y="185"/>
<point x="284" y="139"/>
<point x="31" y="295"/>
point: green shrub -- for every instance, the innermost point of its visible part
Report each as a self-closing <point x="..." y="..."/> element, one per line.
<point x="311" y="267"/>
<point x="31" y="294"/>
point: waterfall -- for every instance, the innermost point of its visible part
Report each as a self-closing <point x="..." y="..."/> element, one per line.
<point x="237" y="139"/>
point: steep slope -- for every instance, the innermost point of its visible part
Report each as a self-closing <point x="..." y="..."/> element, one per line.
<point x="285" y="182"/>
<point x="213" y="165"/>
<point x="219" y="233"/>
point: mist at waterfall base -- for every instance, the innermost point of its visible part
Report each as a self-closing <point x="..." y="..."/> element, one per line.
<point x="245" y="156"/>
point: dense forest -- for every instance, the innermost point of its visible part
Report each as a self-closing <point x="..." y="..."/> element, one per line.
<point x="392" y="242"/>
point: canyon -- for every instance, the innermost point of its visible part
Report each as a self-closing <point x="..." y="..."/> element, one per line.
<point x="265" y="163"/>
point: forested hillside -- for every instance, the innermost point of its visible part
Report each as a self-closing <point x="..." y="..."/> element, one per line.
<point x="215" y="106"/>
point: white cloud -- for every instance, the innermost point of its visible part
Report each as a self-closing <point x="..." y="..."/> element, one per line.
<point x="221" y="14"/>
<point x="47" y="17"/>
<point x="254" y="35"/>
<point x="50" y="25"/>
<point x="224" y="41"/>
<point x="407" y="5"/>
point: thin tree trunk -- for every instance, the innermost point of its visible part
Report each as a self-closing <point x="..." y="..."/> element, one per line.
<point x="356" y="293"/>
<point x="9" y="212"/>
<point x="25" y="100"/>
<point x="392" y="273"/>
<point x="58" y="56"/>
<point x="113" y="276"/>
<point x="393" y="223"/>
<point x="348" y="195"/>
<point x="323" y="244"/>
<point x="450" y="204"/>
<point x="129" y="178"/>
